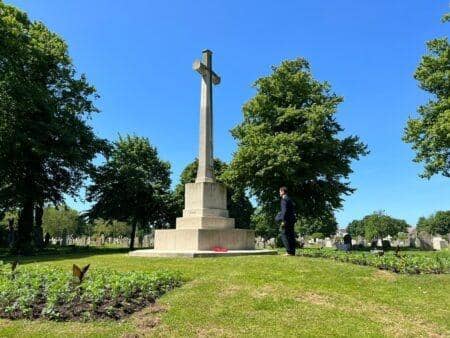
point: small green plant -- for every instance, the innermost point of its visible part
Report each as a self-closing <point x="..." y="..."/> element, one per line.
<point x="435" y="263"/>
<point x="36" y="291"/>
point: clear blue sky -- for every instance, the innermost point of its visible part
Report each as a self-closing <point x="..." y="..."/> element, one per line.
<point x="139" y="54"/>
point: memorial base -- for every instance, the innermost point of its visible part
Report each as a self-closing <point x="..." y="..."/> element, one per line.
<point x="198" y="253"/>
<point x="204" y="239"/>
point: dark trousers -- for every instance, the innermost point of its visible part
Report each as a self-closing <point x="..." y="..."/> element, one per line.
<point x="288" y="238"/>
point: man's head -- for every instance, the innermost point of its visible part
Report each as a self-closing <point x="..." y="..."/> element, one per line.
<point x="283" y="191"/>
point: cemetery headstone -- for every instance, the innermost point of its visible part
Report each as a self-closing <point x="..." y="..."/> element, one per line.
<point x="439" y="243"/>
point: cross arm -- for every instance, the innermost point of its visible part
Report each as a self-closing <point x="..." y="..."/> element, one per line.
<point x="203" y="70"/>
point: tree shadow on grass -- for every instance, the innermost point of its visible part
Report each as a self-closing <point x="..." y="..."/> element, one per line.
<point x="60" y="253"/>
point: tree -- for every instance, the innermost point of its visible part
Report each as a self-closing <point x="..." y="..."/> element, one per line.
<point x="8" y="220"/>
<point x="111" y="228"/>
<point x="239" y="206"/>
<point x="308" y="226"/>
<point x="356" y="228"/>
<point x="289" y="137"/>
<point x="377" y="225"/>
<point x="429" y="133"/>
<point x="57" y="221"/>
<point x="435" y="224"/>
<point x="46" y="145"/>
<point x="132" y="186"/>
<point x="264" y="224"/>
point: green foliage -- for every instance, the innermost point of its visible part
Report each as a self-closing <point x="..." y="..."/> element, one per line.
<point x="326" y="226"/>
<point x="238" y="204"/>
<point x="317" y="235"/>
<point x="377" y="225"/>
<point x="264" y="224"/>
<point x="57" y="221"/>
<point x="437" y="223"/>
<point x="110" y="228"/>
<point x="14" y="215"/>
<point x="429" y="133"/>
<point x="132" y="186"/>
<point x="290" y="137"/>
<point x="46" y="145"/>
<point x="404" y="263"/>
<point x="38" y="291"/>
<point x="357" y="228"/>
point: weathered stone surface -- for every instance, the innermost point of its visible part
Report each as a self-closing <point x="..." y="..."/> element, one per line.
<point x="205" y="207"/>
<point x="205" y="222"/>
<point x="204" y="239"/>
<point x="205" y="172"/>
<point x="439" y="243"/>
<point x="198" y="254"/>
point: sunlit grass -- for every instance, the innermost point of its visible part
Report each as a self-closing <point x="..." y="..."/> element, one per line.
<point x="264" y="296"/>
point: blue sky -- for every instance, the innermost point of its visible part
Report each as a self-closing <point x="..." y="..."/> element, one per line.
<point x="139" y="55"/>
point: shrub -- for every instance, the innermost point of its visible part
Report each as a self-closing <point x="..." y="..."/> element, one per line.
<point x="41" y="291"/>
<point x="318" y="235"/>
<point x="405" y="263"/>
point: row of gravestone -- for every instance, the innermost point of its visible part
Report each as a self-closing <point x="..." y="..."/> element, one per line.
<point x="145" y="241"/>
<point x="422" y="241"/>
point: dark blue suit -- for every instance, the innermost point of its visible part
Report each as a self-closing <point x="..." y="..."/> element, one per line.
<point x="287" y="216"/>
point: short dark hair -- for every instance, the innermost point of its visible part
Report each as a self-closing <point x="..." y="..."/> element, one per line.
<point x="284" y="189"/>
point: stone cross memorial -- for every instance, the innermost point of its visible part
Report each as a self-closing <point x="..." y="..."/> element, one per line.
<point x="205" y="228"/>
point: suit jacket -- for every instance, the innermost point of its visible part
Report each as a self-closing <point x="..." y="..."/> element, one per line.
<point x="287" y="213"/>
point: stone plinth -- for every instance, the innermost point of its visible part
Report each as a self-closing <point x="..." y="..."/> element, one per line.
<point x="205" y="207"/>
<point x="205" y="223"/>
<point x="204" y="239"/>
<point x="198" y="254"/>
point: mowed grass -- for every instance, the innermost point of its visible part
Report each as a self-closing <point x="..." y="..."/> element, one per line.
<point x="263" y="296"/>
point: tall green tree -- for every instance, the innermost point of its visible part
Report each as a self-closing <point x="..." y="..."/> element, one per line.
<point x="309" y="226"/>
<point x="132" y="186"/>
<point x="436" y="224"/>
<point x="238" y="204"/>
<point x="290" y="137"/>
<point x="429" y="133"/>
<point x="377" y="225"/>
<point x="110" y="228"/>
<point x="62" y="220"/>
<point x="356" y="228"/>
<point x="264" y="224"/>
<point x="46" y="145"/>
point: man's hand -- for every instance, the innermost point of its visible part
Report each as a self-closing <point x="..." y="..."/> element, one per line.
<point x="282" y="226"/>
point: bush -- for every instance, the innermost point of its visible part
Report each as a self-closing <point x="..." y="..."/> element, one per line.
<point x="318" y="235"/>
<point x="404" y="263"/>
<point x="40" y="291"/>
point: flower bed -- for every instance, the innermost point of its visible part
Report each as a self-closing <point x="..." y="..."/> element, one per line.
<point x="403" y="263"/>
<point x="40" y="291"/>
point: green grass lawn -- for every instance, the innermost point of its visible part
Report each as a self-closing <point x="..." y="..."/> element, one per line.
<point x="262" y="296"/>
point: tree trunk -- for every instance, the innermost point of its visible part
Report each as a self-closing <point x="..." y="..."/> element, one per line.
<point x="23" y="244"/>
<point x="133" y="234"/>
<point x="38" y="231"/>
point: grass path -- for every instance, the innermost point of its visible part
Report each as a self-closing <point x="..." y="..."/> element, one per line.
<point x="266" y="296"/>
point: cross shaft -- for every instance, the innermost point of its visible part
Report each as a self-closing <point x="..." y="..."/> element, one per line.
<point x="205" y="172"/>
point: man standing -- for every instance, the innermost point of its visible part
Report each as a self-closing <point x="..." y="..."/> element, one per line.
<point x="287" y="218"/>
